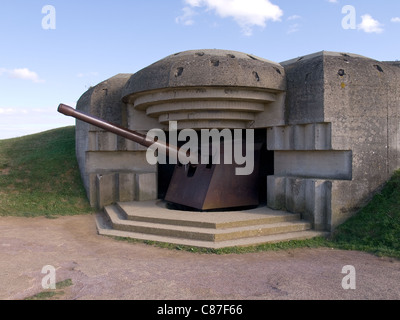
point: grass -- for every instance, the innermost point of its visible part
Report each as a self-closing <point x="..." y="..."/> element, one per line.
<point x="39" y="176"/>
<point x="52" y="294"/>
<point x="286" y="245"/>
<point x="376" y="227"/>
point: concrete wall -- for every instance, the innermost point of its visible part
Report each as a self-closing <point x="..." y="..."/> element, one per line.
<point x="112" y="168"/>
<point x="362" y="101"/>
<point x="341" y="139"/>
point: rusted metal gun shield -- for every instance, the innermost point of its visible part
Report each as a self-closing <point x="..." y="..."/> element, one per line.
<point x="210" y="187"/>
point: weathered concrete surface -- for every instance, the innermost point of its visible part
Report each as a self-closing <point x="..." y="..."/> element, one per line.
<point x="316" y="164"/>
<point x="104" y="157"/>
<point x="358" y="100"/>
<point x="103" y="101"/>
<point x="208" y="68"/>
<point x="103" y="268"/>
<point x="208" y="89"/>
<point x="362" y="101"/>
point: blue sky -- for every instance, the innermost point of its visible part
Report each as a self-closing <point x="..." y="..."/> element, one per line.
<point x="95" y="40"/>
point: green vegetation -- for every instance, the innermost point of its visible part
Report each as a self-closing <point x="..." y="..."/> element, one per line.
<point x="286" y="245"/>
<point x="39" y="176"/>
<point x="376" y="228"/>
<point x="52" y="294"/>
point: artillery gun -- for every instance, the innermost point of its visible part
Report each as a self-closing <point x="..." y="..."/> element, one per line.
<point x="201" y="186"/>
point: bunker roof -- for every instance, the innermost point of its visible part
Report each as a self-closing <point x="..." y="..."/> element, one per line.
<point x="211" y="67"/>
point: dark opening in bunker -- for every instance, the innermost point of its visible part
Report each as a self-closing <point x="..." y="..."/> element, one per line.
<point x="266" y="167"/>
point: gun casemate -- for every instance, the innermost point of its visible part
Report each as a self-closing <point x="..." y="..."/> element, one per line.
<point x="195" y="184"/>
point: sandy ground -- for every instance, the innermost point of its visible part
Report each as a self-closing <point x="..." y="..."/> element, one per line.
<point x="103" y="268"/>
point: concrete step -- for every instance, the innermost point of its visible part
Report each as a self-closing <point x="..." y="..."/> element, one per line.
<point x="203" y="234"/>
<point x="156" y="212"/>
<point x="152" y="221"/>
<point x="104" y="228"/>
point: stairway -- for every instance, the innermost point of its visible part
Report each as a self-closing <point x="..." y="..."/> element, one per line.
<point x="152" y="221"/>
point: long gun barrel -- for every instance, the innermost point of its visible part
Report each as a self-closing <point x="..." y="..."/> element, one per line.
<point x="198" y="185"/>
<point x="123" y="132"/>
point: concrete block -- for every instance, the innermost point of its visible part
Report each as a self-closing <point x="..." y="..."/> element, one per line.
<point x="299" y="137"/>
<point x="126" y="186"/>
<point x="91" y="190"/>
<point x="280" y="138"/>
<point x="106" y="141"/>
<point x="102" y="141"/>
<point x="274" y="114"/>
<point x="318" y="203"/>
<point x="106" y="189"/>
<point x="276" y="188"/>
<point x="312" y="136"/>
<point x="118" y="161"/>
<point x="92" y="141"/>
<point x="146" y="186"/>
<point x="295" y="193"/>
<point x="287" y="137"/>
<point x="324" y="165"/>
<point x="111" y="187"/>
<point x="323" y="136"/>
<point x="309" y="137"/>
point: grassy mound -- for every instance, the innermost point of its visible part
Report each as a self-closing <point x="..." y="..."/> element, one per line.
<point x="39" y="175"/>
<point x="376" y="227"/>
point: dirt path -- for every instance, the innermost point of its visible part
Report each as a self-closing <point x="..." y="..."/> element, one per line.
<point x="103" y="268"/>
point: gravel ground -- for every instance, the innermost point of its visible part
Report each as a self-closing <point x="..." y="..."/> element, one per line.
<point x="103" y="268"/>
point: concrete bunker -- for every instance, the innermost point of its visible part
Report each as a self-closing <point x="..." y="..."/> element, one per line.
<point x="329" y="122"/>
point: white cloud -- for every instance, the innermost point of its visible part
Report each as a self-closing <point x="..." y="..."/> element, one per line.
<point x="247" y="13"/>
<point x="395" y="20"/>
<point x="333" y="1"/>
<point x="370" y="25"/>
<point x="22" y="73"/>
<point x="187" y="17"/>
<point x="294" y="27"/>
<point x="7" y="111"/>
